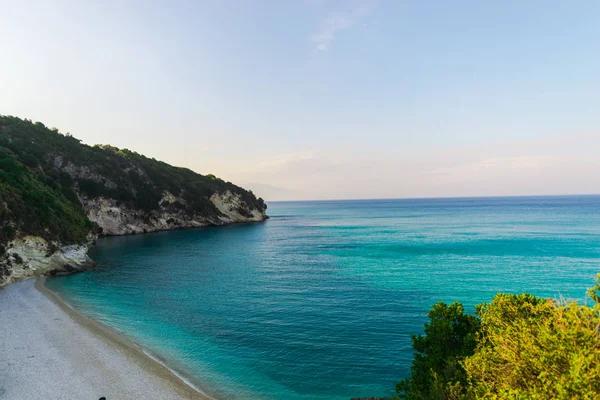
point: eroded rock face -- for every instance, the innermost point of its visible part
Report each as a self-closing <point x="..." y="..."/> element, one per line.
<point x="32" y="255"/>
<point x="115" y="218"/>
<point x="82" y="172"/>
<point x="234" y="209"/>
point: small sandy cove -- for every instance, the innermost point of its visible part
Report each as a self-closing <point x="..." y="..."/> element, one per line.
<point x="50" y="351"/>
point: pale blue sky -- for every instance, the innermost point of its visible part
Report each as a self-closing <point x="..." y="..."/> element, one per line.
<point x="322" y="99"/>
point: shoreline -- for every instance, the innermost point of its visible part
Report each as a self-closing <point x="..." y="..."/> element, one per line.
<point x="141" y="357"/>
<point x="49" y="350"/>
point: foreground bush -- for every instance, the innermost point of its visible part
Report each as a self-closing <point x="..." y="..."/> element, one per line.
<point x="449" y="337"/>
<point x="525" y="348"/>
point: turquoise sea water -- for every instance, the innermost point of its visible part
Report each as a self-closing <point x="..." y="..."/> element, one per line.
<point x="319" y="301"/>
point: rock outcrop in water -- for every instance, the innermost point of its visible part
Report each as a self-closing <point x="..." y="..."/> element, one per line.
<point x="57" y="195"/>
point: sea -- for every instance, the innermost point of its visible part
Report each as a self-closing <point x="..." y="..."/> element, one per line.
<point x="319" y="302"/>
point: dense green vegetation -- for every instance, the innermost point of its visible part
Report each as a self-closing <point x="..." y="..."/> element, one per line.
<point x="516" y="347"/>
<point x="33" y="205"/>
<point x="42" y="170"/>
<point x="449" y="337"/>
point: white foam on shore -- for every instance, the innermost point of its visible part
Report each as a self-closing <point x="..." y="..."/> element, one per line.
<point x="49" y="352"/>
<point x="124" y="335"/>
<point x="177" y="374"/>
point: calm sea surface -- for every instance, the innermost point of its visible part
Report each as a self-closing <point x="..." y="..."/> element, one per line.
<point x="319" y="301"/>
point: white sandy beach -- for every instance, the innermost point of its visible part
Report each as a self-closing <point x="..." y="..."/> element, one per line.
<point x="48" y="351"/>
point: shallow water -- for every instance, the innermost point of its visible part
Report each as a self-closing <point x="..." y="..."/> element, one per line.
<point x="319" y="301"/>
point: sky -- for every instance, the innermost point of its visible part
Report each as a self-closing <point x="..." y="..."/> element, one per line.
<point x="318" y="99"/>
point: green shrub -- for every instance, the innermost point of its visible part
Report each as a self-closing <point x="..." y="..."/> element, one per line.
<point x="436" y="370"/>
<point x="536" y="349"/>
<point x="520" y="347"/>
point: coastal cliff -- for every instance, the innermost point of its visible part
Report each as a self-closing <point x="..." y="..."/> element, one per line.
<point x="31" y="255"/>
<point x="58" y="195"/>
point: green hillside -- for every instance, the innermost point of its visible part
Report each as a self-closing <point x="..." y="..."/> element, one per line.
<point x="42" y="172"/>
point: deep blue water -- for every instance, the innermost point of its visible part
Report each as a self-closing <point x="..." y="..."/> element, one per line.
<point x="319" y="302"/>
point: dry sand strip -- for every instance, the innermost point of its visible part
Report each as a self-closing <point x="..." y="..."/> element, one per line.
<point x="49" y="351"/>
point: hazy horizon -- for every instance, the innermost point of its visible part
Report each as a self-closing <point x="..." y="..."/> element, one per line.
<point x="516" y="196"/>
<point x="317" y="99"/>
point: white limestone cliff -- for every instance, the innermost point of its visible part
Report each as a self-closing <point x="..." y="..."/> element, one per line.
<point x="117" y="219"/>
<point x="32" y="255"/>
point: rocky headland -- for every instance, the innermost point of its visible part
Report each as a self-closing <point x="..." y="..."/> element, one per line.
<point x="58" y="195"/>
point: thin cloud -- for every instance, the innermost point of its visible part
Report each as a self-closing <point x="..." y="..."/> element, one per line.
<point x="340" y="21"/>
<point x="325" y="37"/>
